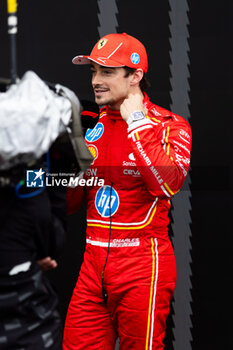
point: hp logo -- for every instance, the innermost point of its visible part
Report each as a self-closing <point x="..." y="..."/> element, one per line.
<point x="107" y="201"/>
<point x="93" y="135"/>
<point x="135" y="58"/>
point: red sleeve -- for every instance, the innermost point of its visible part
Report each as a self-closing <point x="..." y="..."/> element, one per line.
<point x="162" y="153"/>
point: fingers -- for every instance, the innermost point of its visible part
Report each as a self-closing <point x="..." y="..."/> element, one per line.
<point x="47" y="263"/>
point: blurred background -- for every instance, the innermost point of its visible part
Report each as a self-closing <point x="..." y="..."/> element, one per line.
<point x="189" y="45"/>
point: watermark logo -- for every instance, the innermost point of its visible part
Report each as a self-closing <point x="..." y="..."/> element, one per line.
<point x="35" y="178"/>
<point x="107" y="201"/>
<point x="38" y="179"/>
<point x="95" y="134"/>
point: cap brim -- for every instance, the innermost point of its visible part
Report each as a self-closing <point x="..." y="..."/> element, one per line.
<point x="81" y="60"/>
<point x="101" y="61"/>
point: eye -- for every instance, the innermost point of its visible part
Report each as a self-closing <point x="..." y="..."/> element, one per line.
<point x="107" y="72"/>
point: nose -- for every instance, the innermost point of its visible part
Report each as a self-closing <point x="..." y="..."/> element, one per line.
<point x="96" y="79"/>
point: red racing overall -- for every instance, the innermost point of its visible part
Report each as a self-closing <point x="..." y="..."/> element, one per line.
<point x="128" y="252"/>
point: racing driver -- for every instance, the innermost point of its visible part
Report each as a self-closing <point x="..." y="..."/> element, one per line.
<point x="142" y="152"/>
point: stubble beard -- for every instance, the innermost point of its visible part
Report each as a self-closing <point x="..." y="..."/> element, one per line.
<point x="104" y="101"/>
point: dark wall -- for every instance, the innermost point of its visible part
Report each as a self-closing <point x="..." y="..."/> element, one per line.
<point x="210" y="97"/>
<point x="52" y="32"/>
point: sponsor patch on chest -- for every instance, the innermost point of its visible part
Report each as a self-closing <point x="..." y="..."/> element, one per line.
<point x="107" y="201"/>
<point x="95" y="134"/>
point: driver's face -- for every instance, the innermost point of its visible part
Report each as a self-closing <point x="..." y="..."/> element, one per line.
<point x="110" y="85"/>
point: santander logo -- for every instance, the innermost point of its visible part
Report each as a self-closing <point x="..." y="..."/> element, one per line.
<point x="131" y="156"/>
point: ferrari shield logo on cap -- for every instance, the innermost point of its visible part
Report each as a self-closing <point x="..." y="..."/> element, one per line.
<point x="101" y="43"/>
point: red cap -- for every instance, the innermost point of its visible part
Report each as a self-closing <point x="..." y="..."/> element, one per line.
<point x="117" y="50"/>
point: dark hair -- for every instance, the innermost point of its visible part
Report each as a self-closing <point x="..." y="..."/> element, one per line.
<point x="144" y="83"/>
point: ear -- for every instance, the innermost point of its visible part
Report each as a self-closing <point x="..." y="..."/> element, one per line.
<point x="136" y="77"/>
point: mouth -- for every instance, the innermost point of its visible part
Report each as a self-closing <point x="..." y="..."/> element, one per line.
<point x="100" y="91"/>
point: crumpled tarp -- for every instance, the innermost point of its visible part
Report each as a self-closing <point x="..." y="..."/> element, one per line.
<point x="32" y="116"/>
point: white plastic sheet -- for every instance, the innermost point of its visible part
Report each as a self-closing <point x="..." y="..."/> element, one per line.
<point x="31" y="118"/>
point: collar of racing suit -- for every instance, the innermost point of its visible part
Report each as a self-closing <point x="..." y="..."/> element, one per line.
<point x="116" y="115"/>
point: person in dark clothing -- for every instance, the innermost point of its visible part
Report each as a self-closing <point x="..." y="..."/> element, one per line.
<point x="32" y="235"/>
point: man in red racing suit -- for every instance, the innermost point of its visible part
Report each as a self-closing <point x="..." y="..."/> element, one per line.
<point x="142" y="153"/>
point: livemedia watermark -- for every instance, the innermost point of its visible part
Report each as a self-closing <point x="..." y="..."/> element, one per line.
<point x="41" y="179"/>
